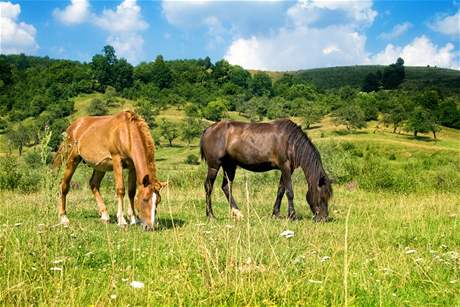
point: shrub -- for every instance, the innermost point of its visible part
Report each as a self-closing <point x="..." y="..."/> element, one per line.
<point x="192" y="160"/>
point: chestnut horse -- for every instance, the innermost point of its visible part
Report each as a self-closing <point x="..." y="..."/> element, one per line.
<point x="261" y="147"/>
<point x="112" y="143"/>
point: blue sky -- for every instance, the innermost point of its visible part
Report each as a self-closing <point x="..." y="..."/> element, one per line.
<point x="274" y="35"/>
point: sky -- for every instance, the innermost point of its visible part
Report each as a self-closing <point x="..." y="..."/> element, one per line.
<point x="268" y="35"/>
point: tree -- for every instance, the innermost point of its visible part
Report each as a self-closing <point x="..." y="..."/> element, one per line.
<point x="97" y="107"/>
<point x="261" y="84"/>
<point x="256" y="108"/>
<point x="449" y="114"/>
<point x="147" y="111"/>
<point x="161" y="73"/>
<point x="277" y="108"/>
<point x="419" y="121"/>
<point x="394" y="75"/>
<point x="192" y="110"/>
<point x="18" y="137"/>
<point x="350" y="115"/>
<point x="191" y="129"/>
<point x="311" y="113"/>
<point x="372" y="82"/>
<point x="216" y="109"/>
<point x="168" y="130"/>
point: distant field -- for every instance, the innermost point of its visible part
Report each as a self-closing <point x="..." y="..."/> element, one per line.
<point x="394" y="238"/>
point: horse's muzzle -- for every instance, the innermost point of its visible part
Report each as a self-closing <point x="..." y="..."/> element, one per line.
<point x="320" y="219"/>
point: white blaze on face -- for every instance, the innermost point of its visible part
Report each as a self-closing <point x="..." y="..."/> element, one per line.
<point x="154" y="205"/>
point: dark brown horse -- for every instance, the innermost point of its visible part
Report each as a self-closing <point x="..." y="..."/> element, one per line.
<point x="112" y="143"/>
<point x="260" y="147"/>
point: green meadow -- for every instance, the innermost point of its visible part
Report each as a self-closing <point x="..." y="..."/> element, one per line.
<point x="394" y="236"/>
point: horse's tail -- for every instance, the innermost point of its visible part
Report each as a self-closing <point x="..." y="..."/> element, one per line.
<point x="203" y="157"/>
<point x="60" y="156"/>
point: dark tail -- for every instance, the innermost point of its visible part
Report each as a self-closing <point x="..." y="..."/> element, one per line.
<point x="201" y="145"/>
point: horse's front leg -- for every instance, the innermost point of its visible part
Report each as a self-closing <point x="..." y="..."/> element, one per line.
<point x="119" y="188"/>
<point x="132" y="193"/>
<point x="227" y="182"/>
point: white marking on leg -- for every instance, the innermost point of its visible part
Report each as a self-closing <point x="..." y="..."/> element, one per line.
<point x="154" y="205"/>
<point x="64" y="220"/>
<point x="105" y="216"/>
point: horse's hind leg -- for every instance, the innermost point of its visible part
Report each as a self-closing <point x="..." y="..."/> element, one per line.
<point x="132" y="193"/>
<point x="208" y="186"/>
<point x="70" y="167"/>
<point x="227" y="182"/>
<point x="95" y="183"/>
<point x="286" y="177"/>
<point x="279" y="198"/>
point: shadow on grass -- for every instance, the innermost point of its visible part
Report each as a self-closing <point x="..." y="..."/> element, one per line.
<point x="422" y="138"/>
<point x="349" y="132"/>
<point x="169" y="223"/>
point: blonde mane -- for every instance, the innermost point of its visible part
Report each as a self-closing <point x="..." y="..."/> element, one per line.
<point x="147" y="141"/>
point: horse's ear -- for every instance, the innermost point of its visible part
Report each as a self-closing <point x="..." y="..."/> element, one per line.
<point x="146" y="181"/>
<point x="163" y="184"/>
<point x="159" y="185"/>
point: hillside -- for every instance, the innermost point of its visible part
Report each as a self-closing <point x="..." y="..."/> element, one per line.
<point x="416" y="77"/>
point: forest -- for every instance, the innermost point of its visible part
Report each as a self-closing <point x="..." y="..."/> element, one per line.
<point x="36" y="94"/>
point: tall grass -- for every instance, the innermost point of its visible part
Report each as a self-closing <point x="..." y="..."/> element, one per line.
<point x="394" y="238"/>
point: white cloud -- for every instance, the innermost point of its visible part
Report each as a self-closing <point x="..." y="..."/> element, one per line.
<point x="358" y="10"/>
<point x="299" y="44"/>
<point x="397" y="31"/>
<point x="15" y="37"/>
<point x="126" y="18"/>
<point x="420" y="52"/>
<point x="299" y="48"/>
<point x="78" y="11"/>
<point x="123" y="25"/>
<point x="449" y="25"/>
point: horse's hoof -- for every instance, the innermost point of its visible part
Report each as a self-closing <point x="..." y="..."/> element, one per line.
<point x="64" y="221"/>
<point x="135" y="221"/>
<point x="292" y="217"/>
<point x="105" y="218"/>
<point x="237" y="214"/>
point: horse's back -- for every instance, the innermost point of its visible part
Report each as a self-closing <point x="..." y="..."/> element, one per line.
<point x="245" y="143"/>
<point x="96" y="137"/>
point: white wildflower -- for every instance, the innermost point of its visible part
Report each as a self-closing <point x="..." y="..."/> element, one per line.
<point x="325" y="258"/>
<point x="56" y="269"/>
<point x="137" y="284"/>
<point x="315" y="281"/>
<point x="410" y="251"/>
<point x="287" y="234"/>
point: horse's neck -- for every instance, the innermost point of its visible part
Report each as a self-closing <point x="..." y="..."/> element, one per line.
<point x="140" y="160"/>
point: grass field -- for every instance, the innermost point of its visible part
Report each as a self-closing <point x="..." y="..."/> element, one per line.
<point x="394" y="238"/>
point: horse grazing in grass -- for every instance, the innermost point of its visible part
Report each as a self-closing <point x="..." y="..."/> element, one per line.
<point x="261" y="147"/>
<point x="112" y="143"/>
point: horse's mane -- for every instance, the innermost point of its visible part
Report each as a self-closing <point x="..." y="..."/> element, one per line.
<point x="147" y="141"/>
<point x="305" y="154"/>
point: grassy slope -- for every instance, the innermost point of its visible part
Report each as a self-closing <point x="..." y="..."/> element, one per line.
<point x="401" y="249"/>
<point x="416" y="77"/>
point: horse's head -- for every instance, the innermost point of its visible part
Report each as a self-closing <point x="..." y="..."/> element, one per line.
<point x="148" y="198"/>
<point x="318" y="196"/>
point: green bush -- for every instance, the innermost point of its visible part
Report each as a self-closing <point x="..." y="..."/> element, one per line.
<point x="17" y="176"/>
<point x="192" y="159"/>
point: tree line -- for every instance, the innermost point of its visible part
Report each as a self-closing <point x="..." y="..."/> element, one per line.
<point x="36" y="92"/>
